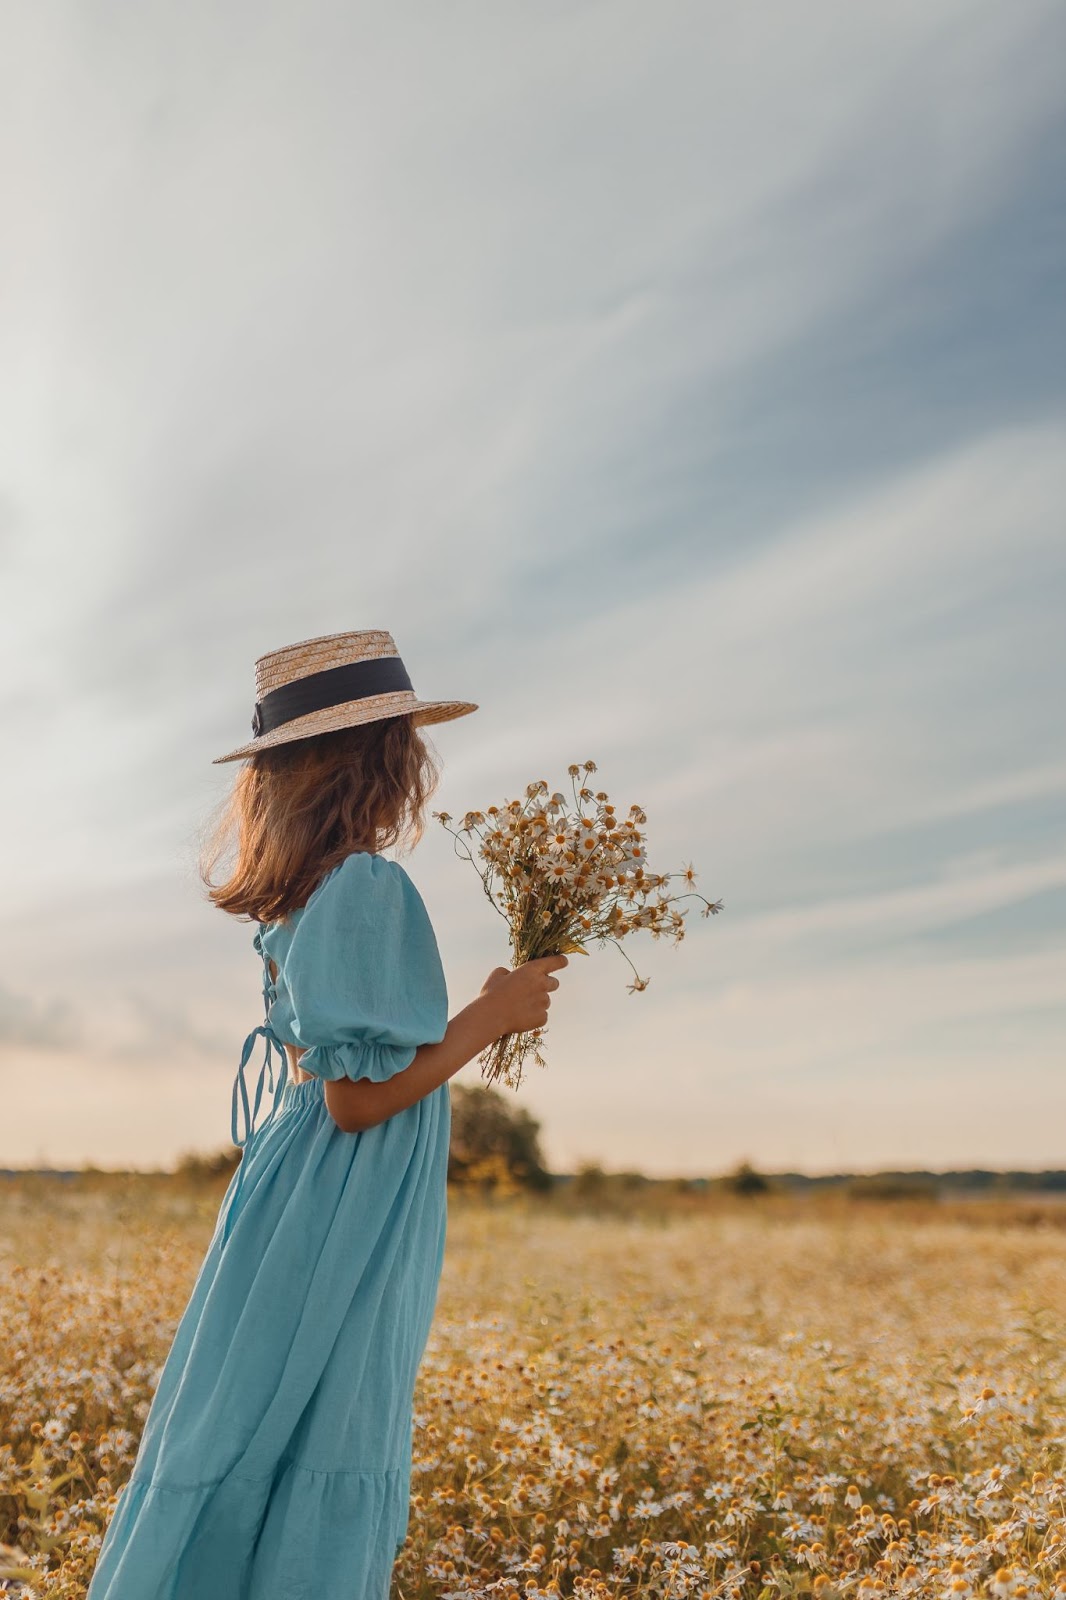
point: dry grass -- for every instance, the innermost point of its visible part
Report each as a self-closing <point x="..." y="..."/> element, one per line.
<point x="729" y="1399"/>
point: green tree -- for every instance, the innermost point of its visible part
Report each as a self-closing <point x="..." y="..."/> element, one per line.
<point x="745" y="1180"/>
<point x="486" y="1125"/>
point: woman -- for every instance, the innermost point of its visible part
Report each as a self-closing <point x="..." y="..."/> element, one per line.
<point x="276" y="1457"/>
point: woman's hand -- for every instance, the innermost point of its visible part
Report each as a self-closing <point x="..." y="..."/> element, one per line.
<point x="520" y="998"/>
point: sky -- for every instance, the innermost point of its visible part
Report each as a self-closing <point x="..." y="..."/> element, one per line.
<point x="684" y="384"/>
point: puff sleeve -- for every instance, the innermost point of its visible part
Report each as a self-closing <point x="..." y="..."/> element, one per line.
<point x="363" y="973"/>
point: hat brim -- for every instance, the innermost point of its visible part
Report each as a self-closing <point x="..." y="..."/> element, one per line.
<point x="352" y="714"/>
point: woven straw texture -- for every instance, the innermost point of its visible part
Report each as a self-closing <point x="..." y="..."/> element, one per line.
<point x="279" y="667"/>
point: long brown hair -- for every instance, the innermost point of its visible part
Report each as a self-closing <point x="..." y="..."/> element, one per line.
<point x="298" y="809"/>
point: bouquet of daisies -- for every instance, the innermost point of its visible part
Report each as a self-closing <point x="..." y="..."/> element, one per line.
<point x="564" y="872"/>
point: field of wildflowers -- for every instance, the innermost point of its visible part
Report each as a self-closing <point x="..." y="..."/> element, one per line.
<point x="738" y="1401"/>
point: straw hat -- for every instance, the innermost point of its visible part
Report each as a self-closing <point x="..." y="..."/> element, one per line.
<point x="339" y="680"/>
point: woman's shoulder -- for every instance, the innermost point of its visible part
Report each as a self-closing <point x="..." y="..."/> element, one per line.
<point x="368" y="904"/>
<point x="360" y="877"/>
<point x="366" y="868"/>
<point x="369" y="861"/>
<point x="365" y="881"/>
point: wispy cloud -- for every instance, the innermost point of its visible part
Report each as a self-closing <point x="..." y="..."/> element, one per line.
<point x="28" y="1022"/>
<point x="969" y="889"/>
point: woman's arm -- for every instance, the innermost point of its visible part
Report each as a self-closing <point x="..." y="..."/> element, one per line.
<point x="509" y="1002"/>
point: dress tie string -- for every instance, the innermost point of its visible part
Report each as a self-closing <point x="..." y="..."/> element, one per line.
<point x="265" y="1079"/>
<point x="240" y="1101"/>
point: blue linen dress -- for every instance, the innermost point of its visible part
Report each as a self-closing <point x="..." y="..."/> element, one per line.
<point x="276" y="1456"/>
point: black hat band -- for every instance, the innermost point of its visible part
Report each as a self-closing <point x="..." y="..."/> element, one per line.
<point x="355" y="680"/>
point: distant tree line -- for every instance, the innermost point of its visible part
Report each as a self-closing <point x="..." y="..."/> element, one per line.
<point x="495" y="1146"/>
